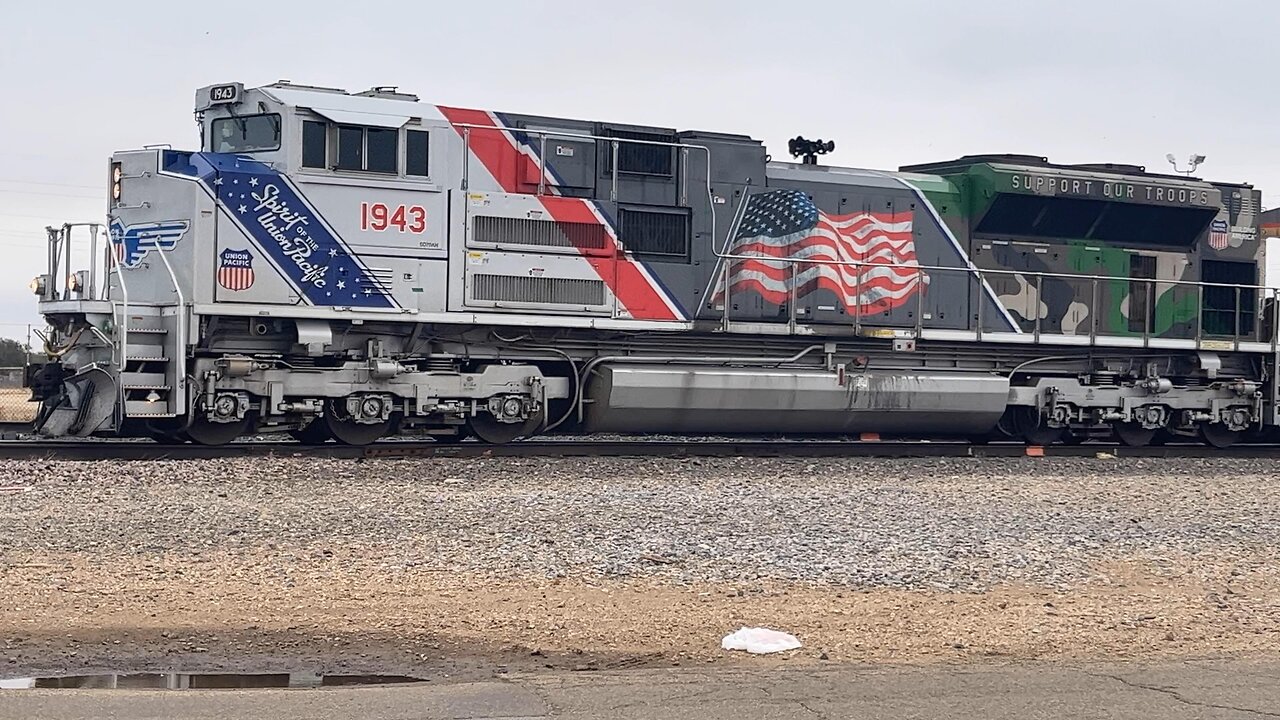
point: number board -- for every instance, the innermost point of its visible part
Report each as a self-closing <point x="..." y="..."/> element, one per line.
<point x="221" y="94"/>
<point x="381" y="217"/>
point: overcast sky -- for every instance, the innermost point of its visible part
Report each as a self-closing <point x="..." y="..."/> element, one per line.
<point x="892" y="82"/>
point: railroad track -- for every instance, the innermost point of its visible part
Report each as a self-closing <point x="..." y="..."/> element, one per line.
<point x="144" y="450"/>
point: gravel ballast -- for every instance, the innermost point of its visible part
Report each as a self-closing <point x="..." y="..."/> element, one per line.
<point x="943" y="524"/>
<point x="457" y="569"/>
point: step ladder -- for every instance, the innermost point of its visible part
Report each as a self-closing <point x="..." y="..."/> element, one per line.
<point x="149" y="383"/>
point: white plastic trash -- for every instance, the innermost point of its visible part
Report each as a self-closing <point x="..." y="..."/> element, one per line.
<point x="760" y="641"/>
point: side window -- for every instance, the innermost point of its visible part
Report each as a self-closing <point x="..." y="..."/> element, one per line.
<point x="371" y="149"/>
<point x="415" y="153"/>
<point x="315" y="151"/>
<point x="364" y="149"/>
<point x="381" y="145"/>
<point x="350" y="147"/>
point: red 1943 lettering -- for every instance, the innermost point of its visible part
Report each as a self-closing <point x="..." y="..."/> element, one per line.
<point x="402" y="218"/>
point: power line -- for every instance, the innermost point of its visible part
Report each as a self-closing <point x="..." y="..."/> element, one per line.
<point x="103" y="195"/>
<point x="55" y="184"/>
<point x="50" y="217"/>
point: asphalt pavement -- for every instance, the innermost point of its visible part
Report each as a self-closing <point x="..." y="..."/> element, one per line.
<point x="1218" y="689"/>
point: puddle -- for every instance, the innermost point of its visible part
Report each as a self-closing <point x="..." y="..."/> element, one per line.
<point x="193" y="681"/>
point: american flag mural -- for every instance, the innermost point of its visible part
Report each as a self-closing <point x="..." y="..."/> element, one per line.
<point x="235" y="269"/>
<point x="787" y="224"/>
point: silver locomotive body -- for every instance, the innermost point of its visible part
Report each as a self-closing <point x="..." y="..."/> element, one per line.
<point x="349" y="267"/>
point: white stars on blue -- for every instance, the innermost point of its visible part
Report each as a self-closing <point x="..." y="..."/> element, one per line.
<point x="778" y="213"/>
<point x="288" y="229"/>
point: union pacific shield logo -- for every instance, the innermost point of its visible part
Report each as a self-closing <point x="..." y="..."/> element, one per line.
<point x="235" y="269"/>
<point x="1219" y="235"/>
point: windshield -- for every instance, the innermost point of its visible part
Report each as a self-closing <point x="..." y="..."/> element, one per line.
<point x="246" y="133"/>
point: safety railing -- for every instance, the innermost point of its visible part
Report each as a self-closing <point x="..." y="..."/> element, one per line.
<point x="1237" y="313"/>
<point x="89" y="282"/>
<point x="541" y="136"/>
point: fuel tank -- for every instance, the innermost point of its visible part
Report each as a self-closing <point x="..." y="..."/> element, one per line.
<point x="691" y="398"/>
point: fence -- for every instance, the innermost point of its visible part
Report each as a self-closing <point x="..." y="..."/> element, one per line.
<point x="15" y="400"/>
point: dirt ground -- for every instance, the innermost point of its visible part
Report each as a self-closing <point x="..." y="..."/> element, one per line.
<point x="68" y="613"/>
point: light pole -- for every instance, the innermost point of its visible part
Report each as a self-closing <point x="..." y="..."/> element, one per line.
<point x="1193" y="162"/>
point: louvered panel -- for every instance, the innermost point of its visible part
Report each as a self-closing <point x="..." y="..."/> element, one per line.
<point x="503" y="232"/>
<point x="537" y="290"/>
<point x="379" y="280"/>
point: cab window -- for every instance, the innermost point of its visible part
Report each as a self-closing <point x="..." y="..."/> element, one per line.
<point x="246" y="133"/>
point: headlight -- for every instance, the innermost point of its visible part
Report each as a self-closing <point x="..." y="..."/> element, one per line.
<point x="38" y="284"/>
<point x="76" y="281"/>
<point x="116" y="176"/>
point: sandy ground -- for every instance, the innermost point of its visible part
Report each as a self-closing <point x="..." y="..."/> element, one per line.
<point x="60" y="614"/>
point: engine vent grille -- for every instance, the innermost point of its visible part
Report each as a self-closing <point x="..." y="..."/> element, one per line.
<point x="538" y="233"/>
<point x="654" y="233"/>
<point x="541" y="290"/>
<point x="642" y="159"/>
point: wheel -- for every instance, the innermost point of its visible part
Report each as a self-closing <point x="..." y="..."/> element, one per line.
<point x="341" y="427"/>
<point x="488" y="429"/>
<point x="315" y="432"/>
<point x="1219" y="435"/>
<point x="1133" y="434"/>
<point x="1032" y="428"/>
<point x="205" y="432"/>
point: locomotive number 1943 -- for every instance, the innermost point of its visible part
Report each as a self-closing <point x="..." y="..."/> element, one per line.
<point x="380" y="217"/>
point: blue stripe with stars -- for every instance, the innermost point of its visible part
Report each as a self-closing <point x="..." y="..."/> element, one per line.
<point x="289" y="231"/>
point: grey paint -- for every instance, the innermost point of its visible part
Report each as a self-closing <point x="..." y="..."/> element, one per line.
<point x="656" y="398"/>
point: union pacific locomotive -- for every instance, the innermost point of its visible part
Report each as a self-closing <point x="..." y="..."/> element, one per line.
<point x="349" y="266"/>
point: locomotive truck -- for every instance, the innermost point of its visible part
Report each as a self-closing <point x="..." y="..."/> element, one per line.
<point x="349" y="266"/>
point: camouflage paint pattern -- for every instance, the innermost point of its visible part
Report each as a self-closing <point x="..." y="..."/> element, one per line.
<point x="1113" y="305"/>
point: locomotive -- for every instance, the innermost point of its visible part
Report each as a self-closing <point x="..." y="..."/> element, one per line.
<point x="352" y="266"/>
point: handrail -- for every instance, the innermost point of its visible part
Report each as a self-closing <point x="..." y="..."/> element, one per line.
<point x="915" y="266"/>
<point x="1237" y="334"/>
<point x="122" y="326"/>
<point x="180" y="342"/>
<point x="614" y="142"/>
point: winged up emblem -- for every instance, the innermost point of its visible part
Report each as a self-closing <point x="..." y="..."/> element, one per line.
<point x="131" y="243"/>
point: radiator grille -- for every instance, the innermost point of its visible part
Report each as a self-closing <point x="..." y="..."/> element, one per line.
<point x="545" y="290"/>
<point x="538" y="233"/>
